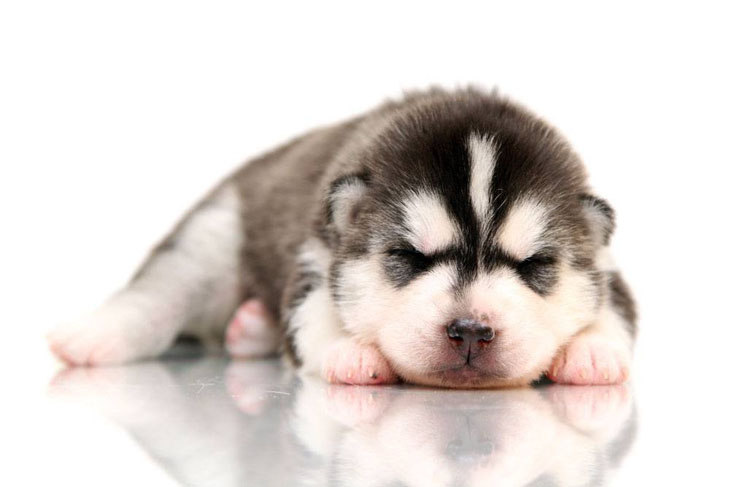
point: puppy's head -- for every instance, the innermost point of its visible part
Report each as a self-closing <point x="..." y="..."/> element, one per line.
<point x="467" y="243"/>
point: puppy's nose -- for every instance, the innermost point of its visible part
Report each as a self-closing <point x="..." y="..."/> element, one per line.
<point x="465" y="334"/>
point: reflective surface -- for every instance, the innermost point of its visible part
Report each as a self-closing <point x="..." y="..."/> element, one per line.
<point x="211" y="422"/>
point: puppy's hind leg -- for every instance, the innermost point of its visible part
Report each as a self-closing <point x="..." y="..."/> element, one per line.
<point x="189" y="283"/>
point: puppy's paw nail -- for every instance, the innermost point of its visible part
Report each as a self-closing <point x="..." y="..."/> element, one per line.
<point x="372" y="374"/>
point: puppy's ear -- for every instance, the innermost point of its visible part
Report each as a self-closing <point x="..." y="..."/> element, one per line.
<point x="344" y="201"/>
<point x="600" y="216"/>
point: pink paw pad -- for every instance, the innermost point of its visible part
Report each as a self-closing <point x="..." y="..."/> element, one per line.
<point x="252" y="331"/>
<point x="590" y="360"/>
<point x="351" y="363"/>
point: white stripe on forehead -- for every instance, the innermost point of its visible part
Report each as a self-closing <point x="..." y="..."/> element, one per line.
<point x="483" y="158"/>
<point x="428" y="224"/>
<point x="521" y="233"/>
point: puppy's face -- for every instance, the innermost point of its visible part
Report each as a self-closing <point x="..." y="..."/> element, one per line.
<point x="468" y="253"/>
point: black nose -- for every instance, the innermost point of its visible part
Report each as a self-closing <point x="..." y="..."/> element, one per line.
<point x="468" y="334"/>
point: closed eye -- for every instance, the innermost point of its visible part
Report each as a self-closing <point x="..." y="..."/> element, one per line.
<point x="412" y="256"/>
<point x="537" y="260"/>
<point x="539" y="272"/>
<point x="403" y="264"/>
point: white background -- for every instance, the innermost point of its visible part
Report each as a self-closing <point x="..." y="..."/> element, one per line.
<point x="115" y="116"/>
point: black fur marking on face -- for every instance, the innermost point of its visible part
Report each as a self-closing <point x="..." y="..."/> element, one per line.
<point x="428" y="151"/>
<point x="403" y="264"/>
<point x="539" y="272"/>
<point x="413" y="258"/>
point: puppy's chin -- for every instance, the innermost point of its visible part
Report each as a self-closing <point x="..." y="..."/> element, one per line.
<point x="469" y="377"/>
<point x="513" y="363"/>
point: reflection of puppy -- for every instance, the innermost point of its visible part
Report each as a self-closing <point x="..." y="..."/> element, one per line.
<point x="423" y="437"/>
<point x="447" y="239"/>
<point x="330" y="434"/>
<point x="203" y="430"/>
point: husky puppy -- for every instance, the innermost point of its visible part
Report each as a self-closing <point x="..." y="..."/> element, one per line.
<point x="446" y="239"/>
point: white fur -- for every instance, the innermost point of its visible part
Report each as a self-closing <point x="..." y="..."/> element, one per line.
<point x="522" y="230"/>
<point x="408" y="323"/>
<point x="483" y="159"/>
<point x="323" y="344"/>
<point x="210" y="243"/>
<point x="317" y="327"/>
<point x="315" y="321"/>
<point x="613" y="327"/>
<point x="598" y="354"/>
<point x="191" y="287"/>
<point x="314" y="257"/>
<point x="531" y="328"/>
<point x="605" y="261"/>
<point x="430" y="228"/>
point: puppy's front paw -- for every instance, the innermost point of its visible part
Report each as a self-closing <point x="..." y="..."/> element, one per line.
<point x="348" y="362"/>
<point x="591" y="359"/>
